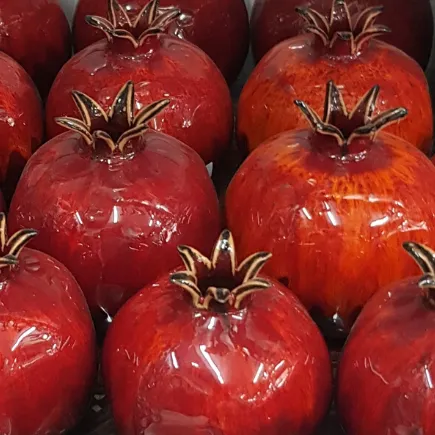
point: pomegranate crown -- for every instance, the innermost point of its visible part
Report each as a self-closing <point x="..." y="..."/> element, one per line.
<point x="219" y="278"/>
<point x="116" y="127"/>
<point x="151" y="20"/>
<point x="12" y="246"/>
<point x="425" y="258"/>
<point x="345" y="126"/>
<point x="340" y="27"/>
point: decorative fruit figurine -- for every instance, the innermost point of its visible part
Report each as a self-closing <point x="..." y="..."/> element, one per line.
<point x="36" y="34"/>
<point x="112" y="199"/>
<point x="390" y="356"/>
<point x="162" y="66"/>
<point x="209" y="24"/>
<point x="21" y="122"/>
<point x="219" y="331"/>
<point x="333" y="204"/>
<point x="344" y="51"/>
<point x="47" y="341"/>
<point x="411" y="23"/>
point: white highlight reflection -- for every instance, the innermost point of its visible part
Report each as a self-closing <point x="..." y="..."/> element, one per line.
<point x="211" y="363"/>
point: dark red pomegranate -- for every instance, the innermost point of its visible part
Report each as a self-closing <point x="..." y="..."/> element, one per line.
<point x="333" y="203"/>
<point x="161" y="66"/>
<point x="387" y="368"/>
<point x="36" y="34"/>
<point x="21" y="122"/>
<point x="342" y="50"/>
<point x="112" y="199"/>
<point x="216" y="348"/>
<point x="209" y="24"/>
<point x="411" y="23"/>
<point x="47" y="341"/>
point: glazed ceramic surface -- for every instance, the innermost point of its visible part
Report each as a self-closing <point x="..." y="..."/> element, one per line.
<point x="209" y="24"/>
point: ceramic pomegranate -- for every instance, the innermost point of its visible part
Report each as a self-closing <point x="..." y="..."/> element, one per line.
<point x="124" y="196"/>
<point x="411" y="23"/>
<point x="216" y="330"/>
<point x="334" y="203"/>
<point x="21" y="122"/>
<point x="209" y="24"/>
<point x="389" y="355"/>
<point x="36" y="34"/>
<point x="47" y="341"/>
<point x="162" y="66"/>
<point x="342" y="50"/>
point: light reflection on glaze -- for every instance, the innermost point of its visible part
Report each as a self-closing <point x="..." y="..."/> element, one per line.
<point x="171" y="369"/>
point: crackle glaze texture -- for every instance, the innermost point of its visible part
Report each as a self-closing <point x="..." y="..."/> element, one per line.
<point x="47" y="347"/>
<point x="200" y="113"/>
<point x="209" y="24"/>
<point x="171" y="369"/>
<point x="389" y="356"/>
<point x="36" y="34"/>
<point x="21" y="122"/>
<point x="335" y="227"/>
<point x="115" y="222"/>
<point x="410" y="22"/>
<point x="297" y="69"/>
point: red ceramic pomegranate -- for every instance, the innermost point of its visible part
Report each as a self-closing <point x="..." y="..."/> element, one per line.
<point x="411" y="23"/>
<point x="237" y="353"/>
<point x="390" y="357"/>
<point x="334" y="203"/>
<point x="342" y="50"/>
<point x="21" y="121"/>
<point x="162" y="66"/>
<point x="36" y="34"/>
<point x="47" y="341"/>
<point x="209" y="24"/>
<point x="112" y="199"/>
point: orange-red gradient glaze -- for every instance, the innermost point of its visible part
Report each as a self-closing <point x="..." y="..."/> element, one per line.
<point x="334" y="228"/>
<point x="297" y="69"/>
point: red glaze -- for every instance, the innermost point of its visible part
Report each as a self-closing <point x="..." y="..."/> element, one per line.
<point x="115" y="219"/>
<point x="261" y="369"/>
<point x="299" y="67"/>
<point x="47" y="347"/>
<point x="21" y="121"/>
<point x="274" y="21"/>
<point x="36" y="34"/>
<point x="387" y="368"/>
<point x="333" y="224"/>
<point x="209" y="24"/>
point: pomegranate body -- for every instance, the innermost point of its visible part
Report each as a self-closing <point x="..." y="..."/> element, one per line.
<point x="47" y="347"/>
<point x="36" y="34"/>
<point x="115" y="221"/>
<point x="274" y="21"/>
<point x="389" y="356"/>
<point x="209" y="24"/>
<point x="297" y="69"/>
<point x="215" y="366"/>
<point x="200" y="114"/>
<point x="21" y="123"/>
<point x="334" y="224"/>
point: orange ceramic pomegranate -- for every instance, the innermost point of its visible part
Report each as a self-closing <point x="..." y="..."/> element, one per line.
<point x="333" y="204"/>
<point x="340" y="49"/>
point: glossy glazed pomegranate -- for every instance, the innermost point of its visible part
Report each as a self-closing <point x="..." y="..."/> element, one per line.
<point x="161" y="66"/>
<point x="209" y="24"/>
<point x="411" y="23"/>
<point x="112" y="199"/>
<point x="47" y="341"/>
<point x="342" y="50"/>
<point x="36" y="34"/>
<point x="333" y="204"/>
<point x="238" y="354"/>
<point x="390" y="356"/>
<point x="21" y="122"/>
